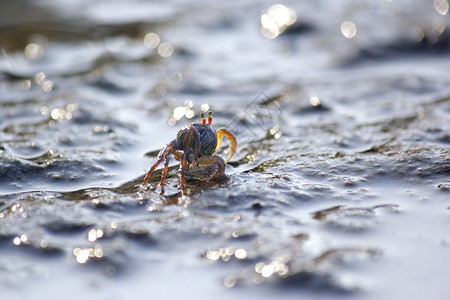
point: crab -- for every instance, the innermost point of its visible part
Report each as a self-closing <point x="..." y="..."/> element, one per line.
<point x="195" y="145"/>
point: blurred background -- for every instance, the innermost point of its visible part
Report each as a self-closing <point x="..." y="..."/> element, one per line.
<point x="339" y="186"/>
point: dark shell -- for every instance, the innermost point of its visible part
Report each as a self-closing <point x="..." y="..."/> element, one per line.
<point x="208" y="138"/>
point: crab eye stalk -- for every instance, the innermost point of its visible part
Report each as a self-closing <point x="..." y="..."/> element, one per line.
<point x="210" y="114"/>
<point x="202" y="115"/>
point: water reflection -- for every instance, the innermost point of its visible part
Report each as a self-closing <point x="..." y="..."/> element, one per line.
<point x="23" y="239"/>
<point x="95" y="234"/>
<point x="226" y="253"/>
<point x="82" y="255"/>
<point x="61" y="113"/>
<point x="186" y="110"/>
<point x="275" y="132"/>
<point x="276" y="20"/>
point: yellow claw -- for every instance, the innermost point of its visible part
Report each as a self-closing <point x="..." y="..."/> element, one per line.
<point x="221" y="133"/>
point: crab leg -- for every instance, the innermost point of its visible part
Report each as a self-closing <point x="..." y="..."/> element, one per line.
<point x="181" y="156"/>
<point x="221" y="133"/>
<point x="166" y="164"/>
<point x="161" y="156"/>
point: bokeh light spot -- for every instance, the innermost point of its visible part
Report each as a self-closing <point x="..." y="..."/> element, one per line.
<point x="95" y="234"/>
<point x="204" y="107"/>
<point x="213" y="254"/>
<point x="348" y="29"/>
<point x="16" y="241"/>
<point x="439" y="27"/>
<point x="276" y="19"/>
<point x="34" y="51"/>
<point x="267" y="270"/>
<point x="55" y="114"/>
<point x="151" y="40"/>
<point x="240" y="253"/>
<point x="441" y="6"/>
<point x="418" y="33"/>
<point x="179" y="112"/>
<point x="81" y="255"/>
<point x="165" y="49"/>
<point x="314" y="101"/>
<point x="47" y="86"/>
<point x="39" y="78"/>
<point x="229" y="281"/>
<point x="25" y="85"/>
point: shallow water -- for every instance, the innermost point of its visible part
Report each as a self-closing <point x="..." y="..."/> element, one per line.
<point x="339" y="188"/>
